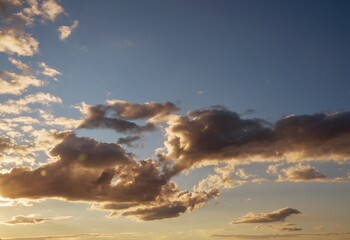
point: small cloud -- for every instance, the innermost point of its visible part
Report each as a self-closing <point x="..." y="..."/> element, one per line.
<point x="275" y="216"/>
<point x="20" y="65"/>
<point x="200" y="92"/>
<point x="301" y="173"/>
<point x="48" y="71"/>
<point x="66" y="31"/>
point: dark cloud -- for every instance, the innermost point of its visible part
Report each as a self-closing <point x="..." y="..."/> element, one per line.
<point x="275" y="216"/>
<point x="133" y="111"/>
<point x="85" y="171"/>
<point x="128" y="141"/>
<point x="216" y="134"/>
<point x="104" y="173"/>
<point x="98" y="118"/>
<point x="116" y="114"/>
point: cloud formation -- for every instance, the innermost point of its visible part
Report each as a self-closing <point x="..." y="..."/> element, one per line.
<point x="66" y="31"/>
<point x="275" y="216"/>
<point x="113" y="179"/>
<point x="216" y="134"/>
<point x="87" y="170"/>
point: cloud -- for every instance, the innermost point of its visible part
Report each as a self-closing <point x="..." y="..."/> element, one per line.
<point x="31" y="219"/>
<point x="16" y="84"/>
<point x="51" y="9"/>
<point x="113" y="179"/>
<point x="175" y="205"/>
<point x="8" y="146"/>
<point x="65" y="122"/>
<point x="115" y="114"/>
<point x="20" y="65"/>
<point x="48" y="71"/>
<point x="66" y="31"/>
<point x="221" y="180"/>
<point x="301" y="173"/>
<point x="87" y="170"/>
<point x="16" y="41"/>
<point x="215" y="135"/>
<point x="128" y="140"/>
<point x="18" y="106"/>
<point x="275" y="216"/>
<point x="32" y="9"/>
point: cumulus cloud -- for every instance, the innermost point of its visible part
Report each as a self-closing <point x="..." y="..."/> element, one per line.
<point x="301" y="173"/>
<point x="16" y="41"/>
<point x="66" y="31"/>
<point x="216" y="134"/>
<point x="87" y="170"/>
<point x="31" y="219"/>
<point x="275" y="216"/>
<point x="48" y="71"/>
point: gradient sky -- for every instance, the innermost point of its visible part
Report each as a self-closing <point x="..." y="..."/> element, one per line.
<point x="174" y="119"/>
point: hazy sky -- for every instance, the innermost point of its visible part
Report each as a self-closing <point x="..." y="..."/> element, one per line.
<point x="174" y="119"/>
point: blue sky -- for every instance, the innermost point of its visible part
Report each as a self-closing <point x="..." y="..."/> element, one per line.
<point x="151" y="71"/>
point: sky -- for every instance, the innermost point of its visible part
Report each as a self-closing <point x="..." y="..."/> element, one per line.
<point x="174" y="119"/>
